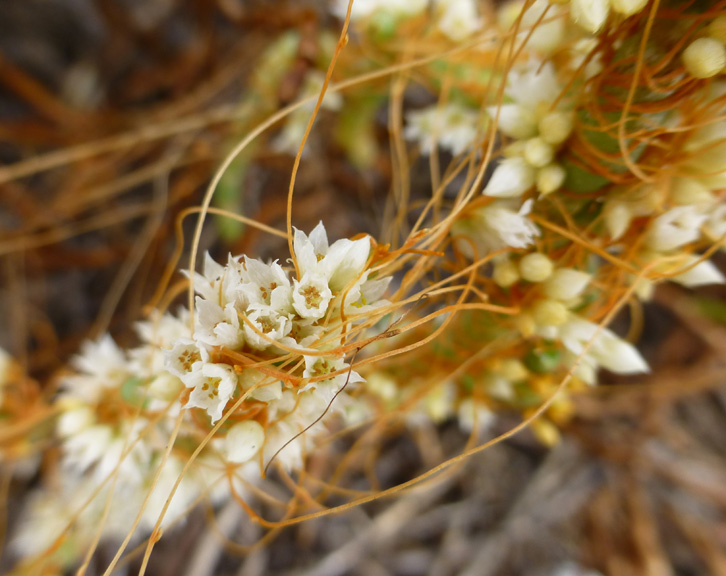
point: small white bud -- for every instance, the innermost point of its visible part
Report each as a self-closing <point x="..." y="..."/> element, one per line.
<point x="704" y="58"/>
<point x="505" y="273"/>
<point x="590" y="14"/>
<point x="244" y="440"/>
<point x="438" y="403"/>
<point x="474" y="416"/>
<point x="382" y="386"/>
<point x="74" y="420"/>
<point x="701" y="274"/>
<point x="550" y="178"/>
<point x="165" y="386"/>
<point x="538" y="152"/>
<point x="566" y="284"/>
<point x="628" y="7"/>
<point x="512" y="177"/>
<point x="555" y="127"/>
<point x="535" y="267"/>
<point x="515" y="121"/>
<point x="549" y="313"/>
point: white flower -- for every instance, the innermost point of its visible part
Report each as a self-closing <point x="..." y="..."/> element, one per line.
<point x="675" y="228"/>
<point x="512" y="177"/>
<point x="216" y="326"/>
<point x="606" y="349"/>
<point x="101" y="446"/>
<point x="532" y="84"/>
<point x="705" y="272"/>
<point x="217" y="283"/>
<point x="458" y="19"/>
<point x="367" y="296"/>
<point x="496" y="226"/>
<point x="273" y="325"/>
<point x="181" y="358"/>
<point x="319" y="366"/>
<point x="213" y="386"/>
<point x="244" y="440"/>
<point x="102" y="365"/>
<point x="163" y="330"/>
<point x="453" y="127"/>
<point x="311" y="296"/>
<point x="530" y="87"/>
<point x="341" y="263"/>
<point x="266" y="285"/>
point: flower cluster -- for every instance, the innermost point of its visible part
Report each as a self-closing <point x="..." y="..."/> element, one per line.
<point x="264" y="352"/>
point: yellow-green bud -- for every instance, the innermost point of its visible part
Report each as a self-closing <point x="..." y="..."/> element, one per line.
<point x="549" y="313"/>
<point x="704" y="58"/>
<point x="550" y="178"/>
<point x="555" y="127"/>
<point x="538" y="153"/>
<point x="513" y="369"/>
<point x="525" y="324"/>
<point x="717" y="29"/>
<point x="685" y="191"/>
<point x="535" y="267"/>
<point x="505" y="274"/>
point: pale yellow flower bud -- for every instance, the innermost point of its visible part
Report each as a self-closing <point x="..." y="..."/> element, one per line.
<point x="505" y="274"/>
<point x="628" y="7"/>
<point x="549" y="313"/>
<point x="590" y="14"/>
<point x="704" y="57"/>
<point x="546" y="432"/>
<point x="244" y="440"/>
<point x="555" y="127"/>
<point x="535" y="267"/>
<point x="538" y="153"/>
<point x="513" y="369"/>
<point x="689" y="191"/>
<point x="550" y="178"/>
<point x="566" y="284"/>
<point x="165" y="386"/>
<point x="525" y="324"/>
<point x="717" y="29"/>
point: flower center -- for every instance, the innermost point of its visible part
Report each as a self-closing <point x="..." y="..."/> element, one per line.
<point x="187" y="358"/>
<point x="312" y="296"/>
<point x="211" y="386"/>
